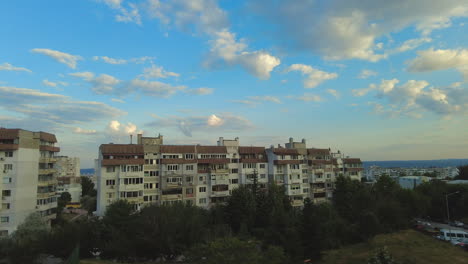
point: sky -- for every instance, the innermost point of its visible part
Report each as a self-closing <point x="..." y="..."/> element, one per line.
<point x="376" y="79"/>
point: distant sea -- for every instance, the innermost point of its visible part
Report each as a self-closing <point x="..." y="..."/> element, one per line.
<point x="386" y="164"/>
<point x="416" y="163"/>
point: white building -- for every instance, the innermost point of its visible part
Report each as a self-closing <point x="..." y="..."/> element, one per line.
<point x="68" y="176"/>
<point x="27" y="171"/>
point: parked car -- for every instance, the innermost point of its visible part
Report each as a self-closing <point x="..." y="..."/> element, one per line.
<point x="458" y="223"/>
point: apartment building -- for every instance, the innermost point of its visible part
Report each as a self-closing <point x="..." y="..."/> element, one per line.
<point x="28" y="174"/>
<point x="152" y="172"/>
<point x="68" y="177"/>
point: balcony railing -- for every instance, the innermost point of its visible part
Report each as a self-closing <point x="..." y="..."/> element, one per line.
<point x="47" y="183"/>
<point x="46" y="195"/>
<point x="47" y="171"/>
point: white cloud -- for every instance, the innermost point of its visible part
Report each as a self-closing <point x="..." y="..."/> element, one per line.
<point x="87" y="76"/>
<point x="78" y="130"/>
<point x="366" y="74"/>
<point x="225" y="50"/>
<point x="384" y="87"/>
<point x="110" y="60"/>
<point x="433" y="60"/>
<point x="129" y="14"/>
<point x="212" y="123"/>
<point x="333" y="92"/>
<point x="8" y="67"/>
<point x="256" y="100"/>
<point x="411" y="44"/>
<point x="62" y="57"/>
<point x="154" y="88"/>
<point x="308" y="97"/>
<point x="157" y="72"/>
<point x="314" y="77"/>
<point x="105" y="84"/>
<point x="200" y="91"/>
<point x="353" y="29"/>
<point x="49" y="83"/>
<point x="118" y="100"/>
<point x="114" y="125"/>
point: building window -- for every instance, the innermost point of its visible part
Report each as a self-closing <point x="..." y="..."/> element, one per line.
<point x="110" y="182"/>
<point x="128" y="181"/>
<point x="295" y="187"/>
<point x="263" y="176"/>
<point x="9" y="154"/>
<point x="189" y="167"/>
<point x="262" y="166"/>
<point x="201" y="178"/>
<point x="305" y="190"/>
<point x="202" y="189"/>
<point x="7" y="167"/>
<point x="188" y="179"/>
<point x="294" y="166"/>
<point x="234" y="170"/>
<point x="6" y="206"/>
<point x="6" y="180"/>
<point x="172" y="167"/>
<point x="110" y="169"/>
<point x="202" y="201"/>
<point x="188" y="156"/>
<point x="249" y="165"/>
<point x="6" y="193"/>
<point x="189" y="191"/>
<point x="234" y="181"/>
<point x="4" y="219"/>
<point x="170" y="156"/>
<point x="328" y="175"/>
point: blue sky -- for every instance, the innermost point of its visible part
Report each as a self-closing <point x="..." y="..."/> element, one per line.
<point x="380" y="80"/>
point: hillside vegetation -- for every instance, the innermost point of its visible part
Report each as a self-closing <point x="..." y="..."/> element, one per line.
<point x="406" y="247"/>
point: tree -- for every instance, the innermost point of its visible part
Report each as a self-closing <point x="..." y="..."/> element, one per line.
<point x="87" y="187"/>
<point x="62" y="201"/>
<point x="240" y="209"/>
<point x="462" y="173"/>
<point x="382" y="257"/>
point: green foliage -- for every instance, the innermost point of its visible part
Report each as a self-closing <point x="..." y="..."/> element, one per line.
<point x="462" y="173"/>
<point x="89" y="203"/>
<point x="232" y="250"/>
<point x="87" y="187"/>
<point x="382" y="257"/>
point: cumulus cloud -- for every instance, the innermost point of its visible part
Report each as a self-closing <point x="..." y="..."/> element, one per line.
<point x="314" y="77"/>
<point x="110" y="60"/>
<point x="384" y="87"/>
<point x="433" y="60"/>
<point x="200" y="91"/>
<point x="118" y="100"/>
<point x="353" y="29"/>
<point x="415" y="97"/>
<point x="154" y="88"/>
<point x="226" y="50"/>
<point x="211" y="123"/>
<point x="366" y="74"/>
<point x="157" y="72"/>
<point x="87" y="76"/>
<point x="411" y="44"/>
<point x="8" y="67"/>
<point x="54" y="84"/>
<point x="129" y="14"/>
<point x="62" y="57"/>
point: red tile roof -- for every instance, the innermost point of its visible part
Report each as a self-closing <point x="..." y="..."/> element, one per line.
<point x="285" y="151"/>
<point x="213" y="161"/>
<point x="116" y="149"/>
<point x="253" y="160"/>
<point x="6" y="133"/>
<point x="318" y="152"/>
<point x="251" y="150"/>
<point x="47" y="137"/>
<point x="283" y="162"/>
<point x="182" y="149"/>
<point x="178" y="161"/>
<point x="351" y="161"/>
<point x="113" y="162"/>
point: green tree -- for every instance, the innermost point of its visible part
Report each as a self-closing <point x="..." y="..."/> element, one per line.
<point x="382" y="257"/>
<point x="462" y="173"/>
<point x="240" y="209"/>
<point x="87" y="187"/>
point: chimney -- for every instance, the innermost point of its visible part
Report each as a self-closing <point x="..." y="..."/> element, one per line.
<point x="139" y="136"/>
<point x="131" y="139"/>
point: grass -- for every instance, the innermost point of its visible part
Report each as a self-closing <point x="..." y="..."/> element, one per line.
<point x="94" y="261"/>
<point x="406" y="247"/>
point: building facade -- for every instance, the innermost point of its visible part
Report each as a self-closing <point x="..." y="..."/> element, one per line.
<point x="68" y="177"/>
<point x="29" y="176"/>
<point x="152" y="172"/>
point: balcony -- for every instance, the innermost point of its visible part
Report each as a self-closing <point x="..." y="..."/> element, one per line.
<point x="130" y="174"/>
<point x="166" y="197"/>
<point x="297" y="202"/>
<point x="9" y="147"/>
<point x="130" y="187"/>
<point x="219" y="193"/>
<point x="47" y="160"/>
<point x="49" y="148"/>
<point x="43" y="207"/>
<point x="150" y="191"/>
<point x="295" y="192"/>
<point x="46" y="195"/>
<point x="47" y="171"/>
<point x="134" y="199"/>
<point x="151" y="166"/>
<point x="47" y="183"/>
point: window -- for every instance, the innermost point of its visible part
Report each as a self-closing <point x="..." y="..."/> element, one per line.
<point x="328" y="175"/>
<point x="294" y="166"/>
<point x="201" y="178"/>
<point x="9" y="154"/>
<point x="6" y="206"/>
<point x="4" y="219"/>
<point x="262" y="166"/>
<point x="110" y="182"/>
<point x="188" y="179"/>
<point x="6" y="180"/>
<point x="220" y="188"/>
<point x="6" y="193"/>
<point x="174" y="179"/>
<point x="189" y="191"/>
<point x="305" y="190"/>
<point x="202" y="201"/>
<point x="249" y="165"/>
<point x="189" y="167"/>
<point x="110" y="195"/>
<point x="235" y="181"/>
<point x="170" y="156"/>
<point x="133" y="181"/>
<point x="234" y="170"/>
<point x="110" y="169"/>
<point x="7" y="167"/>
<point x="202" y="189"/>
<point x="188" y="156"/>
<point x="172" y="167"/>
<point x="295" y="187"/>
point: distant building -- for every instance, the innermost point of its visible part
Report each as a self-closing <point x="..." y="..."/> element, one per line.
<point x="68" y="176"/>
<point x="410" y="182"/>
<point x="28" y="174"/>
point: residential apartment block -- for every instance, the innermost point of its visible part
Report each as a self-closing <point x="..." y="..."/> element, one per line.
<point x="68" y="177"/>
<point x="28" y="174"/>
<point x="152" y="172"/>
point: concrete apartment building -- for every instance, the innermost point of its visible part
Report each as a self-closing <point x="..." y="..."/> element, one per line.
<point x="27" y="170"/>
<point x="68" y="177"/>
<point x="151" y="172"/>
